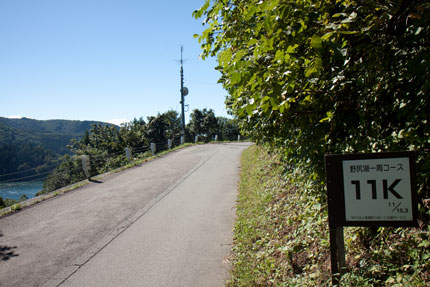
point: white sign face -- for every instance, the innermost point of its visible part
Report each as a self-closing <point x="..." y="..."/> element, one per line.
<point x="377" y="189"/>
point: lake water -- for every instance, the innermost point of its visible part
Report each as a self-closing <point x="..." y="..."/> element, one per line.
<point x="15" y="190"/>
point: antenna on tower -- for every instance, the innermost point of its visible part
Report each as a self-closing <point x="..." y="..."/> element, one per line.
<point x="184" y="92"/>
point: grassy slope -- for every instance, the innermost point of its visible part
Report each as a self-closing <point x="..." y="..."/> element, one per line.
<point x="281" y="236"/>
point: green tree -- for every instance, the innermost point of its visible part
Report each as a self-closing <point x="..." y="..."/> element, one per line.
<point x="102" y="145"/>
<point x="157" y="129"/>
<point x="133" y="134"/>
<point x="315" y="77"/>
<point x="203" y="123"/>
<point x="227" y="129"/>
<point x="174" y="122"/>
<point x="86" y="138"/>
<point x="67" y="172"/>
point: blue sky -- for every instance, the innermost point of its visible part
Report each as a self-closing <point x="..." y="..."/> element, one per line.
<point x="107" y="60"/>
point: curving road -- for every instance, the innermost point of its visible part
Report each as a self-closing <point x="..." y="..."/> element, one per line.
<point x="167" y="222"/>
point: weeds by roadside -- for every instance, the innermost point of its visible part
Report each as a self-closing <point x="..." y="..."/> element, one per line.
<point x="281" y="235"/>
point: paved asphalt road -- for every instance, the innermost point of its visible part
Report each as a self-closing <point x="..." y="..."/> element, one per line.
<point x="167" y="222"/>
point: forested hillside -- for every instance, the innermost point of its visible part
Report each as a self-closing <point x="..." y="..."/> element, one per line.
<point x="28" y="144"/>
<point x="53" y="135"/>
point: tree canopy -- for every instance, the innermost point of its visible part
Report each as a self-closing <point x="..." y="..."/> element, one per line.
<point x="315" y="77"/>
<point x="306" y="78"/>
<point x="203" y="123"/>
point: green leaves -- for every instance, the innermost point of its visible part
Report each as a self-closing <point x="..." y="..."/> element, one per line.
<point x="328" y="118"/>
<point x="252" y="42"/>
<point x="199" y="13"/>
<point x="250" y="12"/>
<point x="291" y="49"/>
<point x="322" y="76"/>
<point x="316" y="42"/>
<point x="235" y="78"/>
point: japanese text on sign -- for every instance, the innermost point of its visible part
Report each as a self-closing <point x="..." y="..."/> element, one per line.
<point x="377" y="189"/>
<point x="377" y="168"/>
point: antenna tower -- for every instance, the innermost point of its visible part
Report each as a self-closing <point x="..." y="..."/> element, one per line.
<point x="184" y="92"/>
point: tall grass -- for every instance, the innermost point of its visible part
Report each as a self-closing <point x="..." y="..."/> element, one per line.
<point x="281" y="235"/>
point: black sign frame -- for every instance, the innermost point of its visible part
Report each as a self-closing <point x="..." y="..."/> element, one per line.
<point x="335" y="189"/>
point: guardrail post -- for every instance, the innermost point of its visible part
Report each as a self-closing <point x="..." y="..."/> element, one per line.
<point x="86" y="167"/>
<point x="153" y="148"/>
<point x="128" y="153"/>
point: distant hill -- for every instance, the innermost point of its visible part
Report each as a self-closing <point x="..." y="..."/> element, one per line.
<point x="27" y="143"/>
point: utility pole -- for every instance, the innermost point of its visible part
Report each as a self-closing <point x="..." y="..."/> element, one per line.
<point x="184" y="92"/>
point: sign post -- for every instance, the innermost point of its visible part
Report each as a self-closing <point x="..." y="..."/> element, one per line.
<point x="368" y="190"/>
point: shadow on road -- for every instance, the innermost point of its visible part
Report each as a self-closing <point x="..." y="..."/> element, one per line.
<point x="7" y="252"/>
<point x="94" y="181"/>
